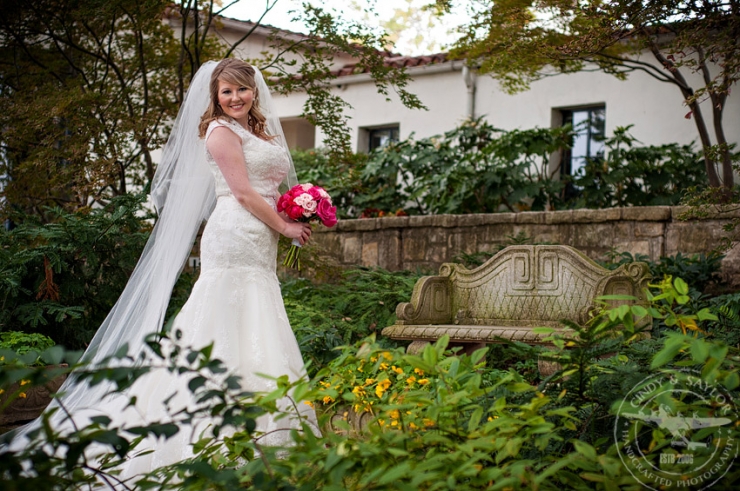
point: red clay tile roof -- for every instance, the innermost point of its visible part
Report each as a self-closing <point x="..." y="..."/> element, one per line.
<point x="397" y="61"/>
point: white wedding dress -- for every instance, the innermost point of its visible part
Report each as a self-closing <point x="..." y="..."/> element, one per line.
<point x="236" y="304"/>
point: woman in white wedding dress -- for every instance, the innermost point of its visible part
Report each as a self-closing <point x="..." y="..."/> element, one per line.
<point x="223" y="162"/>
<point x="236" y="304"/>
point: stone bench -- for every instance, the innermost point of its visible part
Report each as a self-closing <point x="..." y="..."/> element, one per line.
<point x="520" y="288"/>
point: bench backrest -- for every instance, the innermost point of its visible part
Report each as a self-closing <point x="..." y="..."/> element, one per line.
<point x="535" y="285"/>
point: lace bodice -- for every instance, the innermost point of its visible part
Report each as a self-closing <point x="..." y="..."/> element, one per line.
<point x="267" y="163"/>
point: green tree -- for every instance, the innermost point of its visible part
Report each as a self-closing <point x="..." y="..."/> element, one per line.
<point x="520" y="41"/>
<point x="88" y="89"/>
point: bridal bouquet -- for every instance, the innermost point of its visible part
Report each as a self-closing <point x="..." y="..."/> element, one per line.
<point x="306" y="203"/>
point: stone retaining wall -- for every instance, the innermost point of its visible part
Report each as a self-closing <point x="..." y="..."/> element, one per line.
<point x="426" y="242"/>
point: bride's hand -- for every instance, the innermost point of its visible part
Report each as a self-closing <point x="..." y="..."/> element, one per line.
<point x="297" y="230"/>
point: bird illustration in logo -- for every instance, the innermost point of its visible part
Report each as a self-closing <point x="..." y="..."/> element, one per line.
<point x="677" y="425"/>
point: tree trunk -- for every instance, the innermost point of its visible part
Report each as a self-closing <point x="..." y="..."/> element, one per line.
<point x="701" y="125"/>
<point x="728" y="177"/>
<point x="718" y="105"/>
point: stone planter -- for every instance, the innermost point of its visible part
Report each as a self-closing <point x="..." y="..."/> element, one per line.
<point x="29" y="407"/>
<point x="357" y="421"/>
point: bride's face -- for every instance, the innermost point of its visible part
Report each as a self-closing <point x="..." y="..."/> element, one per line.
<point x="235" y="100"/>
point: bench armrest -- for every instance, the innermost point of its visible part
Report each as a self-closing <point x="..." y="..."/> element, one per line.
<point x="430" y="303"/>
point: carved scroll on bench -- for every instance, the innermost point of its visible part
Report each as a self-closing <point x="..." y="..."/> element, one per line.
<point x="518" y="289"/>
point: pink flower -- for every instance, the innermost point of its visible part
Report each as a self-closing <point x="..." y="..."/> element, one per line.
<point x="283" y="202"/>
<point x="327" y="213"/>
<point x="306" y="186"/>
<point x="305" y="200"/>
<point x="322" y="193"/>
<point x="315" y="193"/>
<point x="310" y="207"/>
<point x="294" y="212"/>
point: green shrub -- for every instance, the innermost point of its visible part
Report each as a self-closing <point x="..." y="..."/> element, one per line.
<point x="701" y="271"/>
<point x="325" y="316"/>
<point x="631" y="175"/>
<point x="22" y="342"/>
<point x="61" y="278"/>
<point x="476" y="168"/>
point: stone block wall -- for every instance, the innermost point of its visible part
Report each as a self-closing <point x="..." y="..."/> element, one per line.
<point x="426" y="242"/>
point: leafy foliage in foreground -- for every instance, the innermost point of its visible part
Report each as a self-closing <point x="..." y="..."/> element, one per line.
<point x="439" y="420"/>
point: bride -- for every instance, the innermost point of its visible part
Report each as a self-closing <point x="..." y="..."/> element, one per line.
<point x="224" y="161"/>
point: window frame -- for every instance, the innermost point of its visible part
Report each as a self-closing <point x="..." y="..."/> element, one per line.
<point x="566" y="117"/>
<point x="367" y="136"/>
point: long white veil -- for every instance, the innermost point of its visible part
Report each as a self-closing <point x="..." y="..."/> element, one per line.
<point x="183" y="194"/>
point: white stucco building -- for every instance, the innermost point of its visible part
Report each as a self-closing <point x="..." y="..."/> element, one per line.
<point x="452" y="94"/>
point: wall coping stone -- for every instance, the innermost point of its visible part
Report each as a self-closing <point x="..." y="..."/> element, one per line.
<point x="393" y="222"/>
<point x="532" y="216"/>
<point x="597" y="216"/>
<point x="647" y="213"/>
<point x="637" y="213"/>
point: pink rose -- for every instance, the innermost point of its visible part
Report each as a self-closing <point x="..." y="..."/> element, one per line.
<point x="306" y="186"/>
<point x="283" y="202"/>
<point x="305" y="200"/>
<point x="327" y="213"/>
<point x="315" y="193"/>
<point x="294" y="212"/>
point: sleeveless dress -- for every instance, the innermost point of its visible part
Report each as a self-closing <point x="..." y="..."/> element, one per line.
<point x="236" y="304"/>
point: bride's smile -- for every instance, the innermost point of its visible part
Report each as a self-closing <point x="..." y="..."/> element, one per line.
<point x="235" y="101"/>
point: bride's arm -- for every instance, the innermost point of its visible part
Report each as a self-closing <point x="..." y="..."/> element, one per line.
<point x="226" y="148"/>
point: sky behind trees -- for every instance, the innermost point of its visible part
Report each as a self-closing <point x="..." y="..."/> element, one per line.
<point x="414" y="31"/>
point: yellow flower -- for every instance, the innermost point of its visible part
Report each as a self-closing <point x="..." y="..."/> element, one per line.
<point x="418" y="371"/>
<point x="325" y="384"/>
<point x="381" y="422"/>
<point x="2" y="391"/>
<point x="358" y="391"/>
<point x="394" y="414"/>
<point x="328" y="399"/>
<point x="397" y="370"/>
<point x="369" y="381"/>
<point x="24" y="382"/>
<point x="382" y="387"/>
<point x="491" y="418"/>
<point x="413" y="426"/>
<point x="394" y="423"/>
<point x="373" y="358"/>
<point x="387" y="355"/>
<point x="423" y="381"/>
<point x="411" y="380"/>
<point x="22" y="395"/>
<point x="427" y="422"/>
<point x="384" y="366"/>
<point x="308" y="403"/>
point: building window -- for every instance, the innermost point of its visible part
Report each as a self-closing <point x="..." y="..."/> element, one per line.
<point x="381" y="137"/>
<point x="588" y="143"/>
<point x="299" y="133"/>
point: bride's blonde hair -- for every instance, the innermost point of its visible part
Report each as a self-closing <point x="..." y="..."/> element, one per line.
<point x="239" y="73"/>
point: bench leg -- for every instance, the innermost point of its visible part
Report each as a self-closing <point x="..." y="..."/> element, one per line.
<point x="416" y="347"/>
